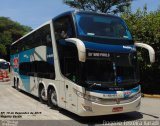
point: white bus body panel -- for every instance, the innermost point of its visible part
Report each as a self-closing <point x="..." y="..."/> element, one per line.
<point x="99" y="109"/>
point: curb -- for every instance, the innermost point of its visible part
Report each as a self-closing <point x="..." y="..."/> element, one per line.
<point x="150" y="96"/>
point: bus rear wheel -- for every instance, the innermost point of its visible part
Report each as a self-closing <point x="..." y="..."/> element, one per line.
<point x="14" y="82"/>
<point x="17" y="85"/>
<point x="42" y="94"/>
<point x="52" y="98"/>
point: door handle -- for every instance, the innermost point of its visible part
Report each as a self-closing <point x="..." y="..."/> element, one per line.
<point x="67" y="86"/>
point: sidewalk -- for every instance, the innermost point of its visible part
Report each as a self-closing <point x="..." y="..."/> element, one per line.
<point x="150" y="95"/>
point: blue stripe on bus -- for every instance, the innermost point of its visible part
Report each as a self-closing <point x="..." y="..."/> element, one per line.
<point x="104" y="92"/>
<point x="136" y="89"/>
<point x="26" y="82"/>
<point x="109" y="48"/>
<point x="133" y="90"/>
<point x="106" y="47"/>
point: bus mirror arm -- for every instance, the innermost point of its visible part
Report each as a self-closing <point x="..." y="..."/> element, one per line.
<point x="80" y="47"/>
<point x="150" y="50"/>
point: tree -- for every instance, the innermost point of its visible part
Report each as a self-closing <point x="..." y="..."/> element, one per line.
<point x="2" y="50"/>
<point x="145" y="27"/>
<point x="10" y="31"/>
<point x="105" y="6"/>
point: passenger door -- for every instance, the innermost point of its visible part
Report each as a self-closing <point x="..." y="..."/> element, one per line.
<point x="64" y="28"/>
<point x="70" y="84"/>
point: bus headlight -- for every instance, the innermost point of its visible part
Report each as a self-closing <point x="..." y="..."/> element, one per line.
<point x="137" y="95"/>
<point x="87" y="97"/>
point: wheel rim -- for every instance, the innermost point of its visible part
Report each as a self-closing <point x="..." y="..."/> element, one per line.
<point x="54" y="98"/>
<point x="43" y="94"/>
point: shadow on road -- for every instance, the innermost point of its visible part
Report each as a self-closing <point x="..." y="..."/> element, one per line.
<point x="132" y="116"/>
<point x="28" y="94"/>
<point x="156" y="117"/>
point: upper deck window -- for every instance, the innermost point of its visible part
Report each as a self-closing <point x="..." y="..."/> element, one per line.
<point x="102" y="26"/>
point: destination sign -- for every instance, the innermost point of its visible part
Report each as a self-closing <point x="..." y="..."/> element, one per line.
<point x="98" y="54"/>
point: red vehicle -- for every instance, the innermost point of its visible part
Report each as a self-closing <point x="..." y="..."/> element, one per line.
<point x="4" y="70"/>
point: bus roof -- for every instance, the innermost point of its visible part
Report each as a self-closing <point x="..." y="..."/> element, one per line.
<point x="82" y="11"/>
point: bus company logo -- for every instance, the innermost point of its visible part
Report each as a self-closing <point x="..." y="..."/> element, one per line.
<point x="129" y="48"/>
<point x="16" y="62"/>
<point x="127" y="93"/>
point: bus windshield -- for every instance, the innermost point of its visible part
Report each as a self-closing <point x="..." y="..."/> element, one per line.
<point x="99" y="71"/>
<point x="102" y="26"/>
<point x="120" y="69"/>
<point x="4" y="65"/>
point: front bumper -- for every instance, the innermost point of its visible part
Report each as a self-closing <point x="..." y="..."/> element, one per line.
<point x="88" y="108"/>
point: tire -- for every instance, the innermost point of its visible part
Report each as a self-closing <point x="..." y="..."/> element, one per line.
<point x="17" y="85"/>
<point x="52" y="98"/>
<point x="14" y="82"/>
<point x="42" y="94"/>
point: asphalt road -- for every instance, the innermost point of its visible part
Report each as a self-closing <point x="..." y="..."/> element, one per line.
<point x="21" y="109"/>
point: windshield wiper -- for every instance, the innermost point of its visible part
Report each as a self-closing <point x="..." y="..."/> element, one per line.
<point x="91" y="84"/>
<point x="94" y="84"/>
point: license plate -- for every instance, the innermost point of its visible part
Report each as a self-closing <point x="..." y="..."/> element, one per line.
<point x="117" y="109"/>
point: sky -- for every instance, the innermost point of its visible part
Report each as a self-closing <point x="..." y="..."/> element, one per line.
<point x="33" y="13"/>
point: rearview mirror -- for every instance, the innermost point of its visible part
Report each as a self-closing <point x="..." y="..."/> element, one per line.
<point x="150" y="50"/>
<point x="80" y="47"/>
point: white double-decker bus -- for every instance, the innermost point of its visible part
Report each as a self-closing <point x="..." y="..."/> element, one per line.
<point x="83" y="62"/>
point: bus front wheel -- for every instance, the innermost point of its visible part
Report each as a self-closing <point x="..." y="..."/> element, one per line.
<point x="52" y="98"/>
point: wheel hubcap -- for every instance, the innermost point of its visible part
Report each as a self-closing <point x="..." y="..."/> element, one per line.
<point x="54" y="98"/>
<point x="43" y="93"/>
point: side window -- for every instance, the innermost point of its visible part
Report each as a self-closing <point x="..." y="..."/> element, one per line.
<point x="68" y="57"/>
<point x="45" y="67"/>
<point x="25" y="68"/>
<point x="38" y="38"/>
<point x="71" y="70"/>
<point x="63" y="28"/>
<point x="45" y="70"/>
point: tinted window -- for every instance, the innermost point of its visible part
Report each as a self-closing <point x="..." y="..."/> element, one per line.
<point x="37" y="68"/>
<point x="69" y="63"/>
<point x="40" y="37"/>
<point x="63" y="28"/>
<point x="102" y="26"/>
<point x="4" y="65"/>
<point x="43" y="68"/>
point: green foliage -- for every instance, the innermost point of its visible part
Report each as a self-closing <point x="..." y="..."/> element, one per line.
<point x="2" y="49"/>
<point x="145" y="27"/>
<point x="10" y="31"/>
<point x="105" y="6"/>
